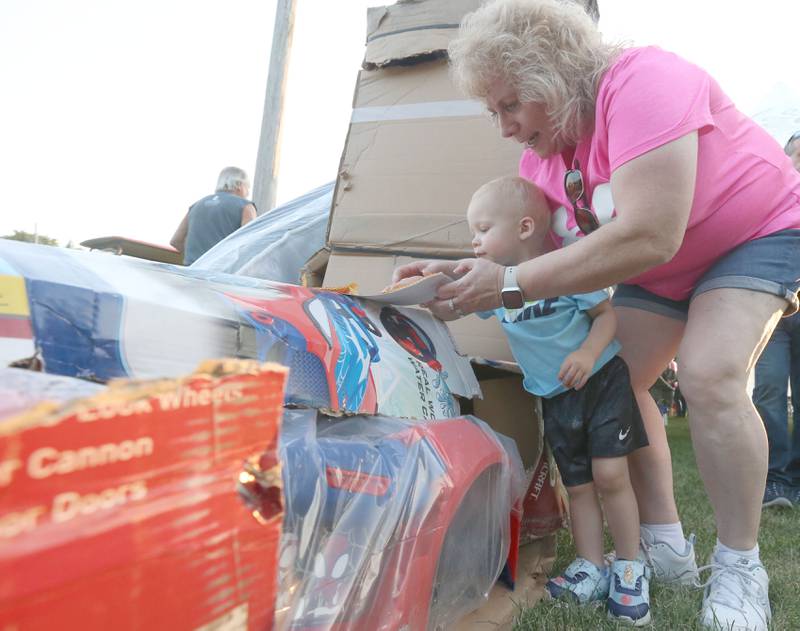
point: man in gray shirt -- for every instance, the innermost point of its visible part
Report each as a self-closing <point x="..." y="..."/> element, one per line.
<point x="214" y="217"/>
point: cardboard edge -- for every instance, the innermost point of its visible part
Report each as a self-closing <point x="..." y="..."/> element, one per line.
<point x="419" y="291"/>
<point x="503" y="605"/>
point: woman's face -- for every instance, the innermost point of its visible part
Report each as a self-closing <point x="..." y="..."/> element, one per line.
<point x="527" y="123"/>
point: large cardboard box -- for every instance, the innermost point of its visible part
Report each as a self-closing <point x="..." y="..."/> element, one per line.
<point x="121" y="510"/>
<point x="474" y="337"/>
<point x="416" y="149"/>
<point x="512" y="411"/>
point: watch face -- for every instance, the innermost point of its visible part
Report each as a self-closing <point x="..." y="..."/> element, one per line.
<point x="512" y="298"/>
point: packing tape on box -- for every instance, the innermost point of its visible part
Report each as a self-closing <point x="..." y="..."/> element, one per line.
<point x="410" y="111"/>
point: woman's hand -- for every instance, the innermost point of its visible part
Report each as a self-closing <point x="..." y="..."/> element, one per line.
<point x="477" y="288"/>
<point x="442" y="310"/>
<point x="424" y="268"/>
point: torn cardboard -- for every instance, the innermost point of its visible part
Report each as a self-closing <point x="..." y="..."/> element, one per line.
<point x="313" y="271"/>
<point x="411" y="30"/>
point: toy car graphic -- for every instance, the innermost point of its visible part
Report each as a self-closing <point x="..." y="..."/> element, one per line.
<point x="379" y="512"/>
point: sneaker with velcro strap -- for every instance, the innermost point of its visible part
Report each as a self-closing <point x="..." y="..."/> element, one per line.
<point x="582" y="582"/>
<point x="629" y="593"/>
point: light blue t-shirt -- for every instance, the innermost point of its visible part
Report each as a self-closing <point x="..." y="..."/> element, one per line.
<point x="543" y="332"/>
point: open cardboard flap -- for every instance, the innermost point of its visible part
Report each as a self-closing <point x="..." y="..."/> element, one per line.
<point x="417" y="292"/>
<point x="409" y="30"/>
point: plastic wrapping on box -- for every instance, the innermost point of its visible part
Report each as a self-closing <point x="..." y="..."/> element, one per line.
<point x="392" y="524"/>
<point x="277" y="244"/>
<point x="121" y="510"/>
<point x="21" y="390"/>
<point x="98" y="316"/>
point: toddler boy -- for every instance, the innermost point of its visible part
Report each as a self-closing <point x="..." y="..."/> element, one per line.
<point x="566" y="348"/>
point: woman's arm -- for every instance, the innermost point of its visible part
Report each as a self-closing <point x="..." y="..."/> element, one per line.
<point x="653" y="196"/>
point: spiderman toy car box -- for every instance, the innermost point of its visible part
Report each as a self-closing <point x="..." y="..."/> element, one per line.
<point x="98" y="316"/>
<point x="120" y="510"/>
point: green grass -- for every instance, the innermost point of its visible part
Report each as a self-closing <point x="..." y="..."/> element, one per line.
<point x="677" y="609"/>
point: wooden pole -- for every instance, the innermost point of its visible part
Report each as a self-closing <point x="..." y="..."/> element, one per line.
<point x="265" y="179"/>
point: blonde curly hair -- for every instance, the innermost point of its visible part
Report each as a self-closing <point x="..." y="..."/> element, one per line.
<point x="550" y="51"/>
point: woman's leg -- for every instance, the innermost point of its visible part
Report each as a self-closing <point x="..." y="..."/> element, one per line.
<point x="649" y="341"/>
<point x="725" y="333"/>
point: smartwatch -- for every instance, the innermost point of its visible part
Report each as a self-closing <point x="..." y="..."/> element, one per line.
<point x="511" y="295"/>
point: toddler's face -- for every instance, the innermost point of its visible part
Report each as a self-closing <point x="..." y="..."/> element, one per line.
<point x="494" y="228"/>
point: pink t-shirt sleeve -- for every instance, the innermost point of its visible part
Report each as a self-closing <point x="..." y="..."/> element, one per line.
<point x="651" y="98"/>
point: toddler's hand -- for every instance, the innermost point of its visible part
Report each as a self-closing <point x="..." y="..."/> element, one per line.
<point x="576" y="369"/>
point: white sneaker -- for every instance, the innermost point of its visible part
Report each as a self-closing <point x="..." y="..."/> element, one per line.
<point x="668" y="565"/>
<point x="736" y="597"/>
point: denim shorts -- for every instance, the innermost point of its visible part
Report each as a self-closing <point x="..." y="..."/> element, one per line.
<point x="769" y="264"/>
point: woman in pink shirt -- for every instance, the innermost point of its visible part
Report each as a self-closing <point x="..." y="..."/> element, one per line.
<point x="660" y="186"/>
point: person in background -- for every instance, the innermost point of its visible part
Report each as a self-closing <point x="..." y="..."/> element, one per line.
<point x="677" y="404"/>
<point x="777" y="368"/>
<point x="657" y="184"/>
<point x="214" y="217"/>
<point x="792" y="149"/>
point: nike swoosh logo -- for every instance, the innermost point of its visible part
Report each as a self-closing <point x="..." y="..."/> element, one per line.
<point x="624" y="435"/>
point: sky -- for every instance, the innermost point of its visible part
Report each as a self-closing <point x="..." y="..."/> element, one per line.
<point x="116" y="115"/>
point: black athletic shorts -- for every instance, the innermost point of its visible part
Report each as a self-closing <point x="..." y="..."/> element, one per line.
<point x="601" y="420"/>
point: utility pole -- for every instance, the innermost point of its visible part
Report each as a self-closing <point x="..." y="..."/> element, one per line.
<point x="265" y="179"/>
